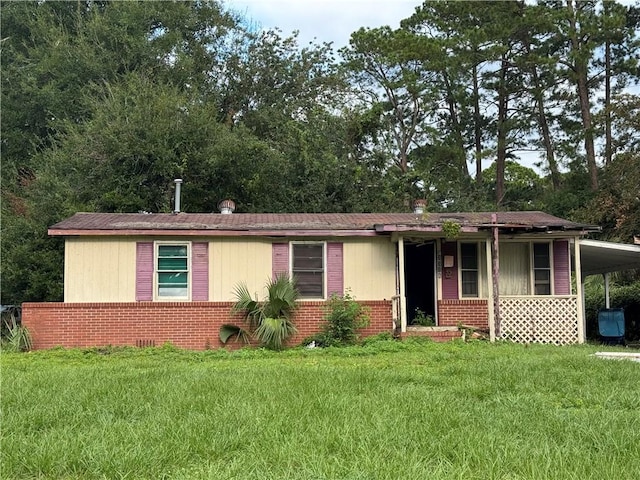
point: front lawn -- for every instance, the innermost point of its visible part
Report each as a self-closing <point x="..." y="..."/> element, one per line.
<point x="389" y="410"/>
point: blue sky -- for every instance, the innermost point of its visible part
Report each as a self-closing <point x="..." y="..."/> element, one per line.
<point x="324" y="20"/>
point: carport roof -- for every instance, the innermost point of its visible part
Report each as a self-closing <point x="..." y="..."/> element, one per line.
<point x="597" y="257"/>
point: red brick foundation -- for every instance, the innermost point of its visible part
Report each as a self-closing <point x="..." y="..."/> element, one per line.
<point x="474" y="313"/>
<point x="190" y="325"/>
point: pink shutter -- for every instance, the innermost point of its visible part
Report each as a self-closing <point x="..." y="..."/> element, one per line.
<point x="561" y="268"/>
<point x="450" y="274"/>
<point x="200" y="271"/>
<point x="144" y="271"/>
<point x="280" y="259"/>
<point x="335" y="278"/>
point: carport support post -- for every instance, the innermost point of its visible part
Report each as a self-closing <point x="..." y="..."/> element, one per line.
<point x="403" y="298"/>
<point x="580" y="290"/>
<point x="607" y="299"/>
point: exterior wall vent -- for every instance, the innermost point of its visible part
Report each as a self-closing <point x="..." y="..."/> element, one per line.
<point x="227" y="207"/>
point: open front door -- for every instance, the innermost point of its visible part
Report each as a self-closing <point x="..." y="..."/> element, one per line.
<point x="420" y="282"/>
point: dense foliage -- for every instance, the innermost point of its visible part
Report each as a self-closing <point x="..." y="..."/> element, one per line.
<point x="344" y="316"/>
<point x="105" y="103"/>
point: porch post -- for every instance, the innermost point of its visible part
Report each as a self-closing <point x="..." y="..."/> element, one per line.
<point x="495" y="274"/>
<point x="579" y="291"/>
<point x="491" y="319"/>
<point x="403" y="298"/>
<point x="607" y="299"/>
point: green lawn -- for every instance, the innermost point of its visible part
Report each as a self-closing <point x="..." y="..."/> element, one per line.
<point x="389" y="410"/>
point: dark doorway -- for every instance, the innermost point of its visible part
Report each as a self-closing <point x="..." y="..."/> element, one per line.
<point x="419" y="281"/>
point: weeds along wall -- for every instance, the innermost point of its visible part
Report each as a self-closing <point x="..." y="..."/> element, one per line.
<point x="190" y="325"/>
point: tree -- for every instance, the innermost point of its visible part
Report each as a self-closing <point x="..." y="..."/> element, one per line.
<point x="387" y="68"/>
<point x="523" y="187"/>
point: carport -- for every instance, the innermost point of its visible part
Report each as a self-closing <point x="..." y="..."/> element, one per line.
<point x="604" y="258"/>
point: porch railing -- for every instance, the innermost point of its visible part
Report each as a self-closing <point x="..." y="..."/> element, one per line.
<point x="539" y="319"/>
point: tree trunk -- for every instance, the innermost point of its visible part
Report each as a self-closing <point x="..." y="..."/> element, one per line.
<point x="582" y="88"/>
<point x="608" y="149"/>
<point x="543" y="125"/>
<point x="477" y="125"/>
<point x="455" y="126"/>
<point x="501" y="156"/>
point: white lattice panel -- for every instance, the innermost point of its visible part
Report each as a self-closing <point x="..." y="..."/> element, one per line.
<point x="539" y="319"/>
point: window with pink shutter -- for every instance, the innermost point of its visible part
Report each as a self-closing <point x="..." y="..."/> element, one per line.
<point x="307" y="267"/>
<point x="176" y="270"/>
<point x="316" y="266"/>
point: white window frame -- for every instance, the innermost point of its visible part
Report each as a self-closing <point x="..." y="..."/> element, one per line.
<point x="156" y="248"/>
<point x="533" y="268"/>
<point x="324" y="265"/>
<point x="478" y="270"/>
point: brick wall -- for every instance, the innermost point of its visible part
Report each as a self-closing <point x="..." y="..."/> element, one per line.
<point x="467" y="312"/>
<point x="190" y="325"/>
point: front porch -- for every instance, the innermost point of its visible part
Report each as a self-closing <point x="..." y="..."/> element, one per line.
<point x="527" y="319"/>
<point x="435" y="281"/>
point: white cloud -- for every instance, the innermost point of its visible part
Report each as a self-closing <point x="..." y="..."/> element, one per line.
<point x="324" y="20"/>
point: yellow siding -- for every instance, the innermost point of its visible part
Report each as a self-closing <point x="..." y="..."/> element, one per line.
<point x="104" y="269"/>
<point x="232" y="261"/>
<point x="369" y="268"/>
<point x="100" y="270"/>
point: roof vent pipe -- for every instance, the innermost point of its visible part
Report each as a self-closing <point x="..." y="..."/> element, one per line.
<point x="227" y="207"/>
<point x="176" y="208"/>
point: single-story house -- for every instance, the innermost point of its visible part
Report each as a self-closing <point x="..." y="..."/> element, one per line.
<point x="145" y="279"/>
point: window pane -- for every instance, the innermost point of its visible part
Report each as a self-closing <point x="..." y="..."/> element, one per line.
<point x="171" y="291"/>
<point x="307" y="256"/>
<point x="541" y="255"/>
<point x="469" y="284"/>
<point x="176" y="278"/>
<point x="469" y="256"/>
<point x="172" y="263"/>
<point x="310" y="284"/>
<point x="543" y="289"/>
<point x="308" y="269"/>
<point x="514" y="269"/>
<point x="172" y="270"/>
<point x="542" y="276"/>
<point x="172" y="251"/>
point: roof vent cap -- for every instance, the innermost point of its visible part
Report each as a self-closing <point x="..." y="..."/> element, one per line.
<point x="419" y="206"/>
<point x="227" y="207"/>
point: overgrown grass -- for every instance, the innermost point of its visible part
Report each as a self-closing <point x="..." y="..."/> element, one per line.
<point x="388" y="410"/>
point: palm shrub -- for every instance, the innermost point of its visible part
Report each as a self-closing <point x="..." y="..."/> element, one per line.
<point x="270" y="320"/>
<point x="15" y="337"/>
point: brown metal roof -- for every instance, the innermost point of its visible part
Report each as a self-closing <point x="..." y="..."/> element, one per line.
<point x="297" y="223"/>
